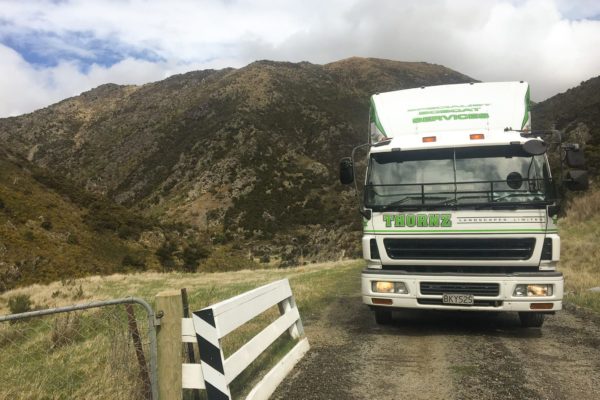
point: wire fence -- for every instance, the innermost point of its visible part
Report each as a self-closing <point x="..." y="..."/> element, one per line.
<point x="101" y="350"/>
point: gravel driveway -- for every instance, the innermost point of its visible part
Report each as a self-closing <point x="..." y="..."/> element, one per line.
<point x="446" y="355"/>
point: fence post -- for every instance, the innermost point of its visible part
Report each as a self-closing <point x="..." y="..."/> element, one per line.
<point x="296" y="330"/>
<point x="169" y="306"/>
<point x="139" y="351"/>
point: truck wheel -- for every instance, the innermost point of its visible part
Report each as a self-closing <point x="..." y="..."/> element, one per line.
<point x="383" y="317"/>
<point x="531" y="319"/>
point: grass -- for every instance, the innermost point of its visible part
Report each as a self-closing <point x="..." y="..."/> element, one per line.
<point x="580" y="251"/>
<point x="86" y="356"/>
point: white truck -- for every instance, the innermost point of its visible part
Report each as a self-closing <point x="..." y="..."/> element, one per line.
<point x="459" y="204"/>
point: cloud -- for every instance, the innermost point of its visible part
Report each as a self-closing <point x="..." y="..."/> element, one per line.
<point x="489" y="41"/>
<point x="69" y="46"/>
<point x="24" y="88"/>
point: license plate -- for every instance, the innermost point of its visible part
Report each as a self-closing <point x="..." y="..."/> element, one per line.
<point x="458" y="299"/>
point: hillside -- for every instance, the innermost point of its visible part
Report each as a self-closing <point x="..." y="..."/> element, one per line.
<point x="577" y="113"/>
<point x="50" y="229"/>
<point x="246" y="155"/>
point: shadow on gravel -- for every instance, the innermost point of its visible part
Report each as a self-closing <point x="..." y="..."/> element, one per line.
<point x="431" y="322"/>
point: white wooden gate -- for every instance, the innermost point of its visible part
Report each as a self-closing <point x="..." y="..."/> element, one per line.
<point x="209" y="325"/>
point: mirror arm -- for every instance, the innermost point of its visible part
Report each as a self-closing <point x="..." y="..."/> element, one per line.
<point x="365" y="213"/>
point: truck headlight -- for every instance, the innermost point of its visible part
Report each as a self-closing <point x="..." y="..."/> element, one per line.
<point x="389" y="287"/>
<point x="533" y="290"/>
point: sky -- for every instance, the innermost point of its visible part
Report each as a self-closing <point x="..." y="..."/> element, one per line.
<point x="54" y="49"/>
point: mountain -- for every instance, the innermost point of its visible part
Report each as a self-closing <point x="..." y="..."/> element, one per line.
<point x="576" y="112"/>
<point x="247" y="156"/>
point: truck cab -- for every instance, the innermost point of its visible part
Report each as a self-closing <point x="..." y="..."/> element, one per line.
<point x="459" y="203"/>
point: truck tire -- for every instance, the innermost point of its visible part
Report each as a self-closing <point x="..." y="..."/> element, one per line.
<point x="383" y="316"/>
<point x="531" y="319"/>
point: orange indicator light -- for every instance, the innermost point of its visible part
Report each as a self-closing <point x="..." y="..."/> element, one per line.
<point x="476" y="136"/>
<point x="429" y="139"/>
<point x="381" y="301"/>
<point x="541" y="306"/>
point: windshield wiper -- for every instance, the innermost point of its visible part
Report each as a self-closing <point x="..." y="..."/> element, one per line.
<point x="454" y="201"/>
<point x="513" y="205"/>
<point x="511" y="195"/>
<point x="418" y="198"/>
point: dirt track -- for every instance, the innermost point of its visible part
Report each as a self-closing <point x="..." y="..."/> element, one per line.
<point x="439" y="355"/>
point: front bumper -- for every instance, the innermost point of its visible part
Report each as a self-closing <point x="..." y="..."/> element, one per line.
<point x="504" y="301"/>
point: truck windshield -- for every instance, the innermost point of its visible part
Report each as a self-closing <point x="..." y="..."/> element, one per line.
<point x="473" y="176"/>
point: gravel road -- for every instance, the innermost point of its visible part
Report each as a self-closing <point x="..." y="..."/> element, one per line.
<point x="441" y="355"/>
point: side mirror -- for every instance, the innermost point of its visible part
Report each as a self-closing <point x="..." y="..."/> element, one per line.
<point x="575" y="158"/>
<point x="577" y="180"/>
<point x="366" y="213"/>
<point x="554" y="210"/>
<point x="346" y="171"/>
<point x="535" y="147"/>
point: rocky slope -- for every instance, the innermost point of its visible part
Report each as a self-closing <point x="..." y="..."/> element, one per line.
<point x="248" y="155"/>
<point x="576" y="112"/>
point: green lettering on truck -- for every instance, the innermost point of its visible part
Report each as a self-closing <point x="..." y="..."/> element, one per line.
<point x="446" y="220"/>
<point x="454" y="117"/>
<point x="388" y="220"/>
<point x="418" y="220"/>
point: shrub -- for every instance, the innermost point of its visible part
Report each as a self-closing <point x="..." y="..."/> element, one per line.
<point x="1" y="204"/>
<point x="78" y="295"/>
<point x="165" y="254"/>
<point x="19" y="304"/>
<point x="47" y="225"/>
<point x="134" y="261"/>
<point x="28" y="235"/>
<point x="129" y="232"/>
<point x="65" y="331"/>
<point x="192" y="254"/>
<point x="290" y="262"/>
<point x="225" y="260"/>
<point x="221" y="238"/>
<point x="72" y="239"/>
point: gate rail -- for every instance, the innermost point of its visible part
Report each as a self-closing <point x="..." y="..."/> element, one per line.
<point x="152" y="322"/>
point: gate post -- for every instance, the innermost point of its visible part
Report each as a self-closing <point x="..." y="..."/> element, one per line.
<point x="169" y="307"/>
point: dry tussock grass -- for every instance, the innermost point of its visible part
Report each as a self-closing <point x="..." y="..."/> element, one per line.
<point x="146" y="285"/>
<point x="580" y="249"/>
<point x="583" y="208"/>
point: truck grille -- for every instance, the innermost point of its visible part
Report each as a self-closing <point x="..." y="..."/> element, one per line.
<point x="476" y="289"/>
<point x="460" y="249"/>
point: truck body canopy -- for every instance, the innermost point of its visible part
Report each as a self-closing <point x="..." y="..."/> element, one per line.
<point x="472" y="107"/>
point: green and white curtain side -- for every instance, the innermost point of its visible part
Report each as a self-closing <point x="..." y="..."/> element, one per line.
<point x="377" y="133"/>
<point x="526" y="125"/>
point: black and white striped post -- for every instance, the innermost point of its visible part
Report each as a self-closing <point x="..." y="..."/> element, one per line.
<point x="211" y="355"/>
